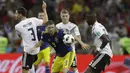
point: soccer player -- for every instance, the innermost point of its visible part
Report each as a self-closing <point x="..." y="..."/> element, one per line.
<point x="64" y="53"/>
<point x="26" y="29"/>
<point x="102" y="43"/>
<point x="44" y="49"/>
<point x="69" y="28"/>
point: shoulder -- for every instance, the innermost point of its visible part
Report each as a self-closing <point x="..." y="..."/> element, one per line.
<point x="44" y="32"/>
<point x="98" y="25"/>
<point x="59" y="24"/>
<point x="72" y="25"/>
<point x="33" y="18"/>
<point x="60" y="31"/>
<point x="17" y="26"/>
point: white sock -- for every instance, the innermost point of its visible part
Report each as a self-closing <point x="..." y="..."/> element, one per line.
<point x="76" y="71"/>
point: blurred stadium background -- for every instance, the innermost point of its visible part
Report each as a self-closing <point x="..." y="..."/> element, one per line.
<point x="113" y="14"/>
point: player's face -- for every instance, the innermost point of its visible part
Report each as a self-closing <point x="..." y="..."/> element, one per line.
<point x="51" y="29"/>
<point x="40" y="15"/>
<point x="17" y="15"/>
<point x="65" y="17"/>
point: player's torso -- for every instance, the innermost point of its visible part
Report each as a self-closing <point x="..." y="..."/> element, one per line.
<point x="56" y="41"/>
<point x="67" y="28"/>
<point x="28" y="33"/>
<point x="97" y="41"/>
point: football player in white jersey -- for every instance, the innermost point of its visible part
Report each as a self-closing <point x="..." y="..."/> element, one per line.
<point x="26" y="29"/>
<point x="69" y="28"/>
<point x="102" y="44"/>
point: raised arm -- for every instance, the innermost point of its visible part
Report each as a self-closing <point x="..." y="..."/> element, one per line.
<point x="45" y="16"/>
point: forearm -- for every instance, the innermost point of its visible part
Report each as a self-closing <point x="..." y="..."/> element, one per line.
<point x="38" y="44"/>
<point x="45" y="17"/>
<point x="78" y="39"/>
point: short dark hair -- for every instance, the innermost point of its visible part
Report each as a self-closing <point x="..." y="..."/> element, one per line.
<point x="90" y="13"/>
<point x="22" y="10"/>
<point x="50" y="22"/>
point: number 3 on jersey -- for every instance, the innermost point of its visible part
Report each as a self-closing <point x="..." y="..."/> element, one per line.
<point x="32" y="33"/>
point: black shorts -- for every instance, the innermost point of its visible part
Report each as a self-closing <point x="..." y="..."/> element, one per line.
<point x="74" y="63"/>
<point x="28" y="60"/>
<point x="99" y="62"/>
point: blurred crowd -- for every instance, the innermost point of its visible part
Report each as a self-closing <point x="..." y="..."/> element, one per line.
<point x="113" y="14"/>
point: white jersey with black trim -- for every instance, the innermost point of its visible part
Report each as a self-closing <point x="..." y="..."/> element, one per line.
<point x="27" y="30"/>
<point x="97" y="31"/>
<point x="69" y="28"/>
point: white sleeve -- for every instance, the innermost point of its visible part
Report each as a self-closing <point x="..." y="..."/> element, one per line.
<point x="17" y="30"/>
<point x="98" y="32"/>
<point x="57" y="26"/>
<point x="76" y="31"/>
<point x="38" y="22"/>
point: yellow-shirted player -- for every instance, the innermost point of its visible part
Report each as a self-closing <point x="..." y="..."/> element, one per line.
<point x="64" y="53"/>
<point x="44" y="53"/>
<point x="69" y="28"/>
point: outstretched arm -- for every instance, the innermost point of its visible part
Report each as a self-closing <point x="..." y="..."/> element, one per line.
<point x="83" y="45"/>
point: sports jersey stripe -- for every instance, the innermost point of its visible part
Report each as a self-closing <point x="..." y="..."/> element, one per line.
<point x="24" y="59"/>
<point x="96" y="61"/>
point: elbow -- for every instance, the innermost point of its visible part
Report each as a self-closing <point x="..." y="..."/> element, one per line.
<point x="107" y="41"/>
<point x="45" y="21"/>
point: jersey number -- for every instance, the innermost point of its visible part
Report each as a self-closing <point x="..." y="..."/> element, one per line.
<point x="32" y="33"/>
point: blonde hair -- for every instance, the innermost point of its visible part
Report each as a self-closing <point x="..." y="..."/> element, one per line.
<point x="64" y="11"/>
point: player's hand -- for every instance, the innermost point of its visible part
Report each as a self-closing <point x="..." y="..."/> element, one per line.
<point x="32" y="49"/>
<point x="44" y="5"/>
<point x="85" y="46"/>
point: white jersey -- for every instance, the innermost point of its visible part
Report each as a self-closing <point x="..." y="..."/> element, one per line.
<point x="69" y="28"/>
<point x="27" y="30"/>
<point x="97" y="31"/>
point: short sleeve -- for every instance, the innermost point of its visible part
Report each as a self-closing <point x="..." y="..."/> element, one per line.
<point x="38" y="22"/>
<point x="76" y="31"/>
<point x="98" y="32"/>
<point x="17" y="30"/>
<point x="57" y="26"/>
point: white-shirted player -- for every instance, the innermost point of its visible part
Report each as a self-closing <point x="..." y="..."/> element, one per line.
<point x="69" y="28"/>
<point x="102" y="43"/>
<point x="26" y="28"/>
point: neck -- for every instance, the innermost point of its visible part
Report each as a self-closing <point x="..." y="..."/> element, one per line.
<point x="92" y="23"/>
<point x="65" y="22"/>
<point x="23" y="18"/>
